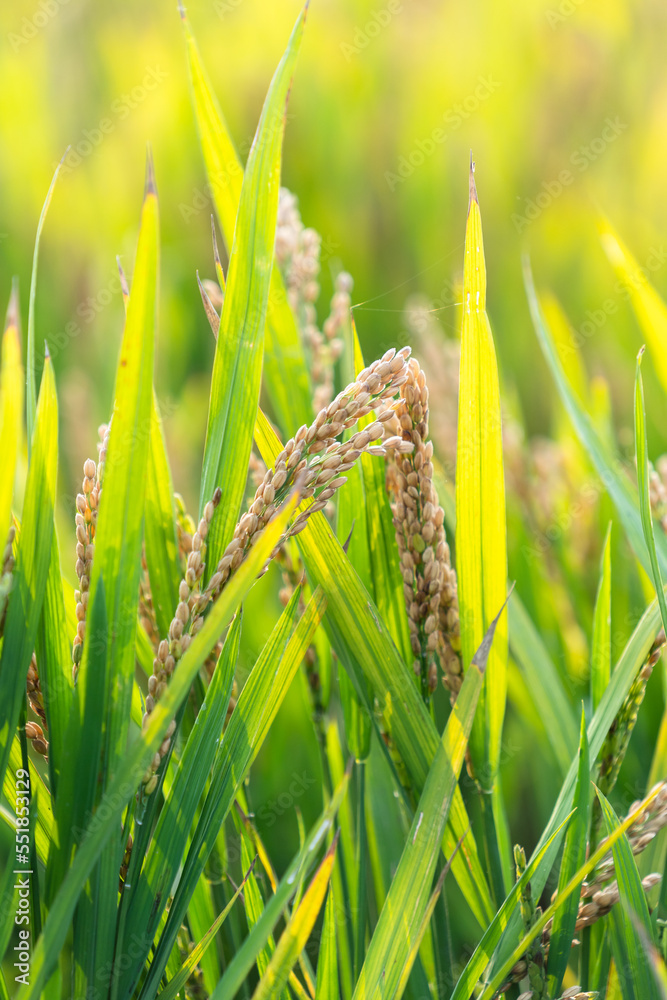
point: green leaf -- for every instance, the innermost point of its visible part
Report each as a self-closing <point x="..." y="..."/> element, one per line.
<point x="237" y="367"/>
<point x="637" y="979"/>
<point x="53" y="648"/>
<point x="160" y="528"/>
<point x="481" y="542"/>
<point x="601" y="646"/>
<point x="641" y="451"/>
<point x="607" y="466"/>
<point x="285" y="371"/>
<point x="255" y="711"/>
<point x="175" y="985"/>
<point x="170" y="838"/>
<point x="401" y="918"/>
<point x="32" y="563"/>
<point x="117" y="559"/>
<point x="295" y="936"/>
<point x="361" y="640"/>
<point x="574" y="855"/>
<point x="327" y="961"/>
<point x="11" y="410"/>
<point x="245" y="957"/>
<point x="133" y="765"/>
<point x="31" y="363"/>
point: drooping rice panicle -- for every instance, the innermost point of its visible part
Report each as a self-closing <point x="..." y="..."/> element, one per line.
<point x="146" y="607"/>
<point x="87" y="505"/>
<point x="535" y="960"/>
<point x="315" y="460"/>
<point x="429" y="581"/>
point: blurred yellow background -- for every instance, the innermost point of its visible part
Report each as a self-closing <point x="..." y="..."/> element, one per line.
<point x="388" y="101"/>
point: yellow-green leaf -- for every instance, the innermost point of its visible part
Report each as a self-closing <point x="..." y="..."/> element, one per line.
<point x="295" y="936"/>
<point x="481" y="543"/>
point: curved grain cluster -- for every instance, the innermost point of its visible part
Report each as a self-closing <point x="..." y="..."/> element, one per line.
<point x="313" y="461"/>
<point x="429" y="581"/>
<point x="87" y="505"/>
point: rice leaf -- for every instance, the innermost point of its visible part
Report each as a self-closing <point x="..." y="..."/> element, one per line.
<point x="237" y="367"/>
<point x="285" y="371"/>
<point x="256" y="709"/>
<point x="401" y="917"/>
<point x="133" y="765"/>
<point x="175" y="985"/>
<point x="53" y="648"/>
<point x="32" y="563"/>
<point x="117" y="560"/>
<point x="361" y="640"/>
<point x="254" y="904"/>
<point x="601" y="645"/>
<point x="650" y="309"/>
<point x="327" y="960"/>
<point x="481" y="542"/>
<point x="641" y="452"/>
<point x="637" y="979"/>
<point x="31" y="363"/>
<point x="246" y="955"/>
<point x="11" y="410"/>
<point x="170" y="838"/>
<point x="574" y="855"/>
<point x="607" y="466"/>
<point x="295" y="936"/>
<point x="160" y="528"/>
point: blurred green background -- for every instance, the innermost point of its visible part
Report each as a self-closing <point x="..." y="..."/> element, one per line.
<point x="388" y="101"/>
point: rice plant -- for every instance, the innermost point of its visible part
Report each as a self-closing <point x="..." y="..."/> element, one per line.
<point x="134" y="860"/>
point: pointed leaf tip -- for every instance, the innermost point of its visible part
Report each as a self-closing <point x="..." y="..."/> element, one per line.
<point x="181" y="9"/>
<point x="640" y="355"/>
<point x="482" y="654"/>
<point x="473" y="188"/>
<point x="150" y="187"/>
<point x="47" y="355"/>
